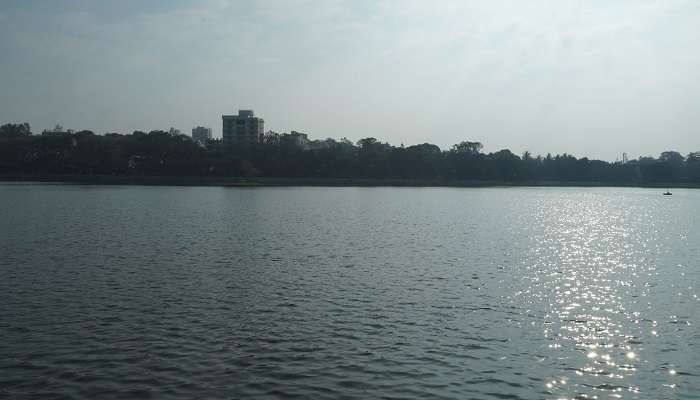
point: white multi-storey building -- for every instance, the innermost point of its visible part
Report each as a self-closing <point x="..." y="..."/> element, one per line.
<point x="244" y="128"/>
<point x="201" y="135"/>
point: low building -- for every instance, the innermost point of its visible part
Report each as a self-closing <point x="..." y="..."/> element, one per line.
<point x="215" y="145"/>
<point x="298" y="138"/>
<point x="57" y="131"/>
<point x="201" y="135"/>
<point x="295" y="139"/>
<point x="271" y="137"/>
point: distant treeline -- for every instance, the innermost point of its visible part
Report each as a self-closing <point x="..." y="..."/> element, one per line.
<point x="161" y="153"/>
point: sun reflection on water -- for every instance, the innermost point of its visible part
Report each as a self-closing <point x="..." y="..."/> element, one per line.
<point x="591" y="269"/>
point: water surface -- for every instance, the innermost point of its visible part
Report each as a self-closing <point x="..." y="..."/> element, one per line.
<point x="499" y="293"/>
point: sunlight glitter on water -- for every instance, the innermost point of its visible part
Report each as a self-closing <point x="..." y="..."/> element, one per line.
<point x="355" y="293"/>
<point x="588" y="275"/>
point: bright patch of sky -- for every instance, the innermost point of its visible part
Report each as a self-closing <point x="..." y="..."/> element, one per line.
<point x="590" y="78"/>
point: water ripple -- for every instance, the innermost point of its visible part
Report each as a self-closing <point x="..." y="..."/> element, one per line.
<point x="123" y="292"/>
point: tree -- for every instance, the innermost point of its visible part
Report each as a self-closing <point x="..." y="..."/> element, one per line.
<point x="692" y="165"/>
<point x="168" y="153"/>
<point x="467" y="147"/>
<point x="674" y="163"/>
<point x="15" y="130"/>
<point x="367" y="143"/>
<point x="506" y="164"/>
<point x="672" y="157"/>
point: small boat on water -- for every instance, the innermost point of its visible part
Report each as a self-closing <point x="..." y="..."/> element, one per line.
<point x="667" y="193"/>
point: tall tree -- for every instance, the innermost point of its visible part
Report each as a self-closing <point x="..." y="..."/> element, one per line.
<point x="15" y="130"/>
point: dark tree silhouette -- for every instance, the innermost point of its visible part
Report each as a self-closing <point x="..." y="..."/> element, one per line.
<point x="168" y="153"/>
<point x="15" y="130"/>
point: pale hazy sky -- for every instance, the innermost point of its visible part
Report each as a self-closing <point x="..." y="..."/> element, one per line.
<point x="591" y="78"/>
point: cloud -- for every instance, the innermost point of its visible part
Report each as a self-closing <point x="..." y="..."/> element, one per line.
<point x="583" y="77"/>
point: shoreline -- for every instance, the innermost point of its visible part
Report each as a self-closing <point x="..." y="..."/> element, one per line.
<point x="320" y="182"/>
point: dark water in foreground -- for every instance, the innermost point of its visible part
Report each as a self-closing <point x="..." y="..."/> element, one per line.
<point x="149" y="292"/>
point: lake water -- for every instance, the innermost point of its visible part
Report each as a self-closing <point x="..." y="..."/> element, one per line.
<point x="328" y="293"/>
